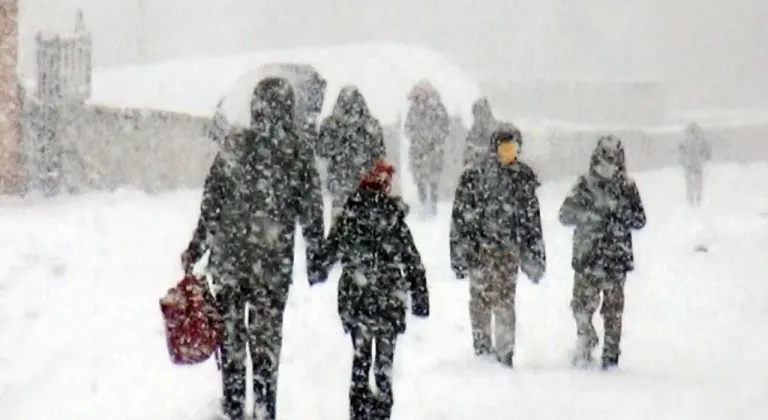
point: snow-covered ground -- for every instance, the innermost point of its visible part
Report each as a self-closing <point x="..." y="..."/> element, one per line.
<point x="81" y="335"/>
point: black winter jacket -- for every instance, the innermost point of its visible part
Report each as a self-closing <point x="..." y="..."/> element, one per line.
<point x="604" y="212"/>
<point x="382" y="266"/>
<point x="351" y="139"/>
<point x="496" y="206"/>
<point x="252" y="200"/>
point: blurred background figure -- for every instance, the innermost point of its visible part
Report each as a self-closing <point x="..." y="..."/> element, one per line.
<point x="694" y="150"/>
<point x="350" y="141"/>
<point x="427" y="126"/>
<point x="483" y="124"/>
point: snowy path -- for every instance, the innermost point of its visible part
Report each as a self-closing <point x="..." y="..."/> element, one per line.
<point x="81" y="335"/>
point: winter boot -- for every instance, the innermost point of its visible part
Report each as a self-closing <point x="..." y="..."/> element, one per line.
<point x="506" y="359"/>
<point x="482" y="347"/>
<point x="380" y="408"/>
<point x="585" y="345"/>
<point x="609" y="362"/>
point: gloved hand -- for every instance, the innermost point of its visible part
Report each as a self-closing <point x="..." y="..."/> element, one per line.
<point x="317" y="278"/>
<point x="591" y="217"/>
<point x="347" y="324"/>
<point x="420" y="308"/>
<point x="188" y="260"/>
<point x="316" y="273"/>
<point x="460" y="272"/>
<point x="532" y="269"/>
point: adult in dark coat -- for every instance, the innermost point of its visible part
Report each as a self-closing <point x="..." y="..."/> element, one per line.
<point x="427" y="126"/>
<point x="605" y="207"/>
<point x="483" y="125"/>
<point x="261" y="183"/>
<point x="496" y="230"/>
<point x="350" y="139"/>
<point x="381" y="268"/>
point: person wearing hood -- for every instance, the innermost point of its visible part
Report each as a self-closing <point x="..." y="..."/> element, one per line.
<point x="427" y="126"/>
<point x="605" y="207"/>
<point x="694" y="151"/>
<point x="382" y="267"/>
<point x="496" y="230"/>
<point x="480" y="133"/>
<point x="350" y="140"/>
<point x="261" y="183"/>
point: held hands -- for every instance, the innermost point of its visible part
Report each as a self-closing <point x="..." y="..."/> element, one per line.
<point x="317" y="275"/>
<point x="420" y="307"/>
<point x="460" y="272"/>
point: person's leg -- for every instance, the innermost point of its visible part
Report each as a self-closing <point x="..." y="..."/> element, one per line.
<point x="360" y="394"/>
<point x="233" y="350"/>
<point x="584" y="302"/>
<point x="382" y="370"/>
<point x="265" y="325"/>
<point x="613" y="314"/>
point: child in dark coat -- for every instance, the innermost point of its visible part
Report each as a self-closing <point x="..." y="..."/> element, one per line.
<point x="605" y="207"/>
<point x="381" y="268"/>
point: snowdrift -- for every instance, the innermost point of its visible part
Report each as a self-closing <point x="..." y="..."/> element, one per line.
<point x="383" y="72"/>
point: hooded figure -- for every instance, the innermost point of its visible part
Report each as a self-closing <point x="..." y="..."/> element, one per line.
<point x="605" y="207"/>
<point x="427" y="125"/>
<point x="382" y="267"/>
<point x="694" y="151"/>
<point x="479" y="135"/>
<point x="262" y="182"/>
<point x="350" y="139"/>
<point x="496" y="230"/>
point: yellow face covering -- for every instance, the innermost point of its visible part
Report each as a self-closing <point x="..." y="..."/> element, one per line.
<point x="507" y="152"/>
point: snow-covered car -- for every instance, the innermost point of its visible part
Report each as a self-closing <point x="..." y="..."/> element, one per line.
<point x="233" y="109"/>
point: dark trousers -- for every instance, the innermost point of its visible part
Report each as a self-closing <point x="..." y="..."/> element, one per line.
<point x="492" y="290"/>
<point x="427" y="191"/>
<point x="587" y="291"/>
<point x="371" y="353"/>
<point x="694" y="183"/>
<point x="427" y="170"/>
<point x="262" y="336"/>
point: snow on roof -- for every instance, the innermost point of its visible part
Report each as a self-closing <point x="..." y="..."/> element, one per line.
<point x="383" y="72"/>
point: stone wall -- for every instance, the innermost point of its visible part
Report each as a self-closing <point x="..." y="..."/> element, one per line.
<point x="106" y="148"/>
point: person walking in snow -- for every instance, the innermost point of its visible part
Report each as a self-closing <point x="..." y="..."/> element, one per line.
<point x="381" y="268"/>
<point x="427" y="126"/>
<point x="496" y="230"/>
<point x="605" y="207"/>
<point x="483" y="125"/>
<point x="350" y="140"/>
<point x="694" y="150"/>
<point x="262" y="181"/>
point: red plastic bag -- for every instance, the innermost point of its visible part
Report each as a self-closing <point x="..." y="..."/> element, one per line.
<point x="192" y="324"/>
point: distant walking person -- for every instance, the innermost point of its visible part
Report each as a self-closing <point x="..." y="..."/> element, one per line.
<point x="427" y="126"/>
<point x="350" y="140"/>
<point x="694" y="151"/>
<point x="483" y="125"/>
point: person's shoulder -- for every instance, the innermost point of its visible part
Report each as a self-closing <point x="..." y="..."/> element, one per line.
<point x="399" y="206"/>
<point x="474" y="171"/>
